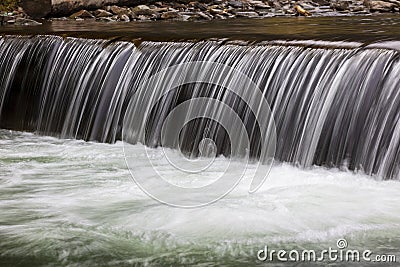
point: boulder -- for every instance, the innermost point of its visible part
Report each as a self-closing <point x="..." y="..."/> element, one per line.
<point x="37" y="8"/>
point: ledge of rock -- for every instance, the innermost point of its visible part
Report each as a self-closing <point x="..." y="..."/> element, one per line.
<point x="133" y="10"/>
<point x="45" y="8"/>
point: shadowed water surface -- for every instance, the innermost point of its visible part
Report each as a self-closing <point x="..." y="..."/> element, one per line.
<point x="346" y="28"/>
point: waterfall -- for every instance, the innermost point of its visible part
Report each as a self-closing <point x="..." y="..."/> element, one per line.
<point x="334" y="106"/>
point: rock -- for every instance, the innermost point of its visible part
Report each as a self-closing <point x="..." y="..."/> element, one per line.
<point x="143" y="17"/>
<point x="116" y="10"/>
<point x="380" y="6"/>
<point x="364" y="12"/>
<point x="101" y="13"/>
<point x="236" y="4"/>
<point x="185" y="18"/>
<point x="357" y="8"/>
<point x="143" y="10"/>
<point x="140" y="8"/>
<point x="246" y="14"/>
<point x="190" y="16"/>
<point x="26" y="22"/>
<point x="132" y="15"/>
<point x="275" y="4"/>
<point x="324" y="8"/>
<point x="289" y="12"/>
<point x="322" y="2"/>
<point x="124" y="18"/>
<point x="170" y="15"/>
<point x="198" y="5"/>
<point x="82" y="14"/>
<point x="205" y="15"/>
<point x="36" y="8"/>
<point x="307" y="6"/>
<point x="259" y="5"/>
<point x="340" y="5"/>
<point x="218" y="16"/>
<point x="264" y="13"/>
<point x="216" y="11"/>
<point x="60" y="19"/>
<point x="105" y="19"/>
<point x="178" y="6"/>
<point x="160" y="9"/>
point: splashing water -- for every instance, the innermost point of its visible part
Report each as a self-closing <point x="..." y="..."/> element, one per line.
<point x="69" y="202"/>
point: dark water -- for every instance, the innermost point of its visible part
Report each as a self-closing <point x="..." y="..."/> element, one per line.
<point x="357" y="28"/>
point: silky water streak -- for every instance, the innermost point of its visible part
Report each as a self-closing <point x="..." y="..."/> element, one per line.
<point x="216" y="110"/>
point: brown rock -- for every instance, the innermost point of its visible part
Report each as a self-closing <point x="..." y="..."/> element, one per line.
<point x="101" y="13"/>
<point x="143" y="10"/>
<point x="380" y="6"/>
<point x="170" y="15"/>
<point x="116" y="10"/>
<point x="140" y="7"/>
<point x="340" y="5"/>
<point x="259" y="5"/>
<point x="82" y="14"/>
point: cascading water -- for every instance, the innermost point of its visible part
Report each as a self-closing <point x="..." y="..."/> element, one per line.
<point x="332" y="106"/>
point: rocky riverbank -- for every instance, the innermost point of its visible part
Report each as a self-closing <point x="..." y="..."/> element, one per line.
<point x="219" y="9"/>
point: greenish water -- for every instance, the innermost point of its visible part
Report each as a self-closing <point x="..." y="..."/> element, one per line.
<point x="73" y="203"/>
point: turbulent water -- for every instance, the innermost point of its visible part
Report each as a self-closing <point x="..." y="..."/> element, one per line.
<point x="70" y="202"/>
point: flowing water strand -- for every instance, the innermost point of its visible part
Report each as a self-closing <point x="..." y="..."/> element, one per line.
<point x="333" y="106"/>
